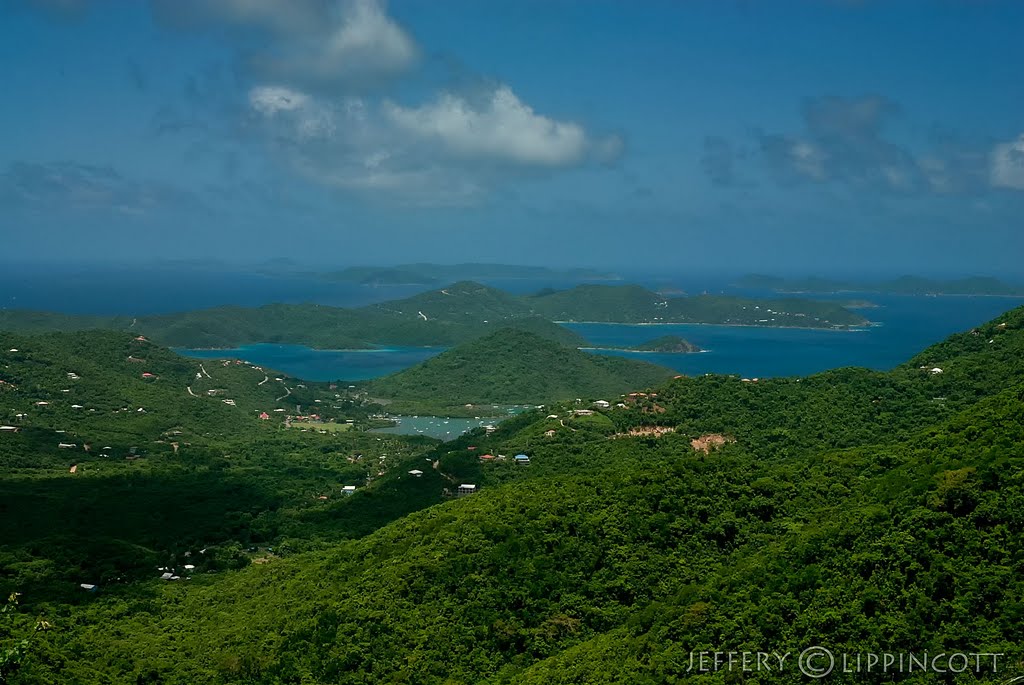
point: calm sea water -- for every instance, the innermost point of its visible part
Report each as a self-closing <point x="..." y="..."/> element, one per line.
<point x="908" y="324"/>
<point x="434" y="426"/>
<point x="904" y="327"/>
<point x="323" y="365"/>
<point x="163" y="289"/>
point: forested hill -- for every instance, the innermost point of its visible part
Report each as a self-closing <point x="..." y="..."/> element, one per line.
<point x="472" y="302"/>
<point x="512" y="366"/>
<point x="317" y="326"/>
<point x="904" y="285"/>
<point x="443" y="317"/>
<point x="860" y="511"/>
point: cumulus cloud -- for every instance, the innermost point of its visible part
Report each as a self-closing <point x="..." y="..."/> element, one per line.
<point x="312" y="89"/>
<point x="364" y="46"/>
<point x="499" y="128"/>
<point x="1006" y="165"/>
<point x="346" y="144"/>
<point x="82" y="187"/>
<point x="331" y="45"/>
<point x="845" y="140"/>
<point x="446" y="152"/>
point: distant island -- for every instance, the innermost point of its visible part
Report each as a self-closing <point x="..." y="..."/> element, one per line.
<point x="432" y="274"/>
<point x="444" y="317"/>
<point x="904" y="285"/>
<point x="671" y="344"/>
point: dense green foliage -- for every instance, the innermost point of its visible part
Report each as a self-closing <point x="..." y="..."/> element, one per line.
<point x="858" y="510"/>
<point x="512" y="367"/>
<point x="904" y="285"/>
<point x="95" y="490"/>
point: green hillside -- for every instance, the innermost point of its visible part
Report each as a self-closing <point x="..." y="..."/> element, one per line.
<point x="513" y="367"/>
<point x="464" y="302"/>
<point x="125" y="454"/>
<point x="858" y="510"/>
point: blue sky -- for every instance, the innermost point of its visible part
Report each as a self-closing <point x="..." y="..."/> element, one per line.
<point x="770" y="136"/>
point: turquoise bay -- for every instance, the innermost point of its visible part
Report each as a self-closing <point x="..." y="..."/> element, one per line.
<point x="323" y="365"/>
<point x="904" y="326"/>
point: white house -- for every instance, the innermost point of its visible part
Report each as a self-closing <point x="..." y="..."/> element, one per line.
<point x="465" y="489"/>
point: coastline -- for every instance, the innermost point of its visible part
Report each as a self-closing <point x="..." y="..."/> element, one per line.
<point x="626" y="349"/>
<point x="180" y="349"/>
<point x="838" y="329"/>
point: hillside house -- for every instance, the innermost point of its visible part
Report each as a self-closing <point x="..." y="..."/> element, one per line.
<point x="602" y="404"/>
<point x="486" y="457"/>
<point x="465" y="489"/>
<point x="522" y="459"/>
<point x="348" y="490"/>
<point x="415" y="473"/>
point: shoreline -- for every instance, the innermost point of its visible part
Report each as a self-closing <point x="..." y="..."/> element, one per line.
<point x="892" y="294"/>
<point x="837" y="329"/>
<point x="241" y="348"/>
<point x="626" y="349"/>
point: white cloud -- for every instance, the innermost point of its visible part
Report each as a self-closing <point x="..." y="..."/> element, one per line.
<point x="501" y="128"/>
<point x="808" y="159"/>
<point x="359" y="47"/>
<point x="1006" y="165"/>
<point x="444" y="153"/>
<point x="269" y="100"/>
<point x="333" y="45"/>
<point x="299" y="112"/>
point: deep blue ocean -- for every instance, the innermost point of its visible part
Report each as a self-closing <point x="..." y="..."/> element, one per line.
<point x="905" y="325"/>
